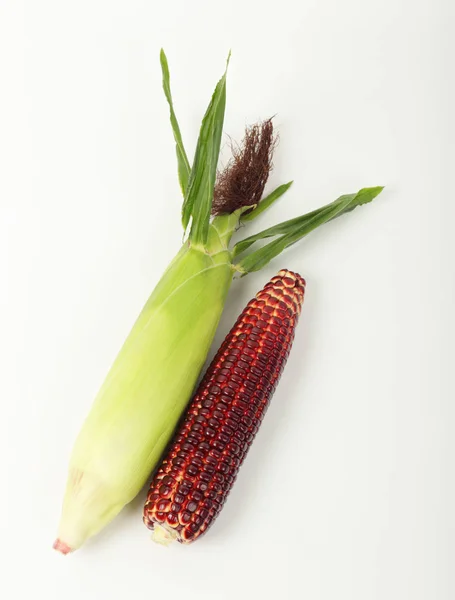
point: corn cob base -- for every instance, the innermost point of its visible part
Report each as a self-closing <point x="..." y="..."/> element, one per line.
<point x="197" y="474"/>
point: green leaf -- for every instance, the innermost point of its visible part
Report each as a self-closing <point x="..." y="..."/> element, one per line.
<point x="199" y="196"/>
<point x="184" y="168"/>
<point x="267" y="202"/>
<point x="362" y="197"/>
<point x="282" y="228"/>
<point x="293" y="230"/>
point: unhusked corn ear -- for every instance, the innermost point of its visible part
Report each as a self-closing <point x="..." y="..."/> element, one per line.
<point x="200" y="467"/>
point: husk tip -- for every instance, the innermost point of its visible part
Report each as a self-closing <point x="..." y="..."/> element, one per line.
<point x="61" y="547"/>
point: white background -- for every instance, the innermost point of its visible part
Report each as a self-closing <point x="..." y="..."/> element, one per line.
<point x="348" y="492"/>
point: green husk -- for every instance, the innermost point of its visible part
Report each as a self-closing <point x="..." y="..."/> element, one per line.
<point x="149" y="384"/>
<point x="145" y="392"/>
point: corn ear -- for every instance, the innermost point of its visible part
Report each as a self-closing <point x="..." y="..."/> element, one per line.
<point x="144" y="394"/>
<point x="151" y="380"/>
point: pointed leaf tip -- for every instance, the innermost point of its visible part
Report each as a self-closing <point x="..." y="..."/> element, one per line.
<point x="368" y="194"/>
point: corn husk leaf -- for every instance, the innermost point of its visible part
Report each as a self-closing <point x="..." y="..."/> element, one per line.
<point x="183" y="164"/>
<point x="198" y="200"/>
<point x="293" y="230"/>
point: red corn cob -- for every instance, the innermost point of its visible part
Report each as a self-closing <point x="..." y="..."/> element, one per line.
<point x="201" y="464"/>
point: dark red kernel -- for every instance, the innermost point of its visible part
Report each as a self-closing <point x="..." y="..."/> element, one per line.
<point x="233" y="416"/>
<point x="228" y="431"/>
<point x="185" y="517"/>
<point x="219" y="477"/>
<point x="210" y="432"/>
<point x="223" y="438"/>
<point x="218" y="445"/>
<point x="196" y="496"/>
<point x="241" y="404"/>
<point x="231" y="423"/>
<point x="239" y="435"/>
<point x="164" y="491"/>
<point x="163" y="505"/>
<point x="234" y="448"/>
<point x="198" y="521"/>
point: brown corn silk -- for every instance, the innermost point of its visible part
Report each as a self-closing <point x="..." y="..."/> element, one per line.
<point x="220" y="423"/>
<point x="242" y="181"/>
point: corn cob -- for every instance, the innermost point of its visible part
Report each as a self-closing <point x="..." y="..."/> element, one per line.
<point x="201" y="465"/>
